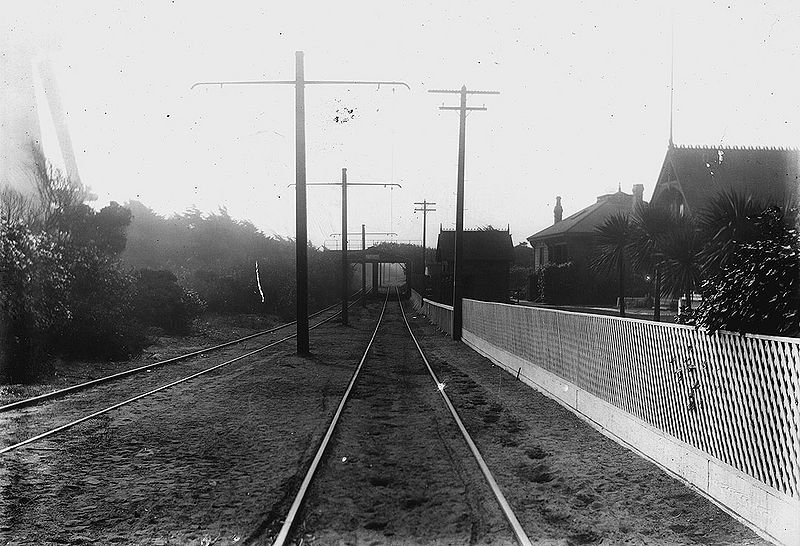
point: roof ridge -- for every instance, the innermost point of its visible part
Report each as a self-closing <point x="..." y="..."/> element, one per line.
<point x="735" y="147"/>
<point x="447" y="230"/>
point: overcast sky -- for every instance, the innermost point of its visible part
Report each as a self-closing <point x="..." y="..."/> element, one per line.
<point x="584" y="104"/>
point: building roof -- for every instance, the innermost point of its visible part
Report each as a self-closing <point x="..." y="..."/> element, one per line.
<point x="586" y="220"/>
<point x="694" y="174"/>
<point x="484" y="244"/>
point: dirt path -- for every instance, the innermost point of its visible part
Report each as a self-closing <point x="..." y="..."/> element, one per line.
<point x="202" y="463"/>
<point x="568" y="483"/>
<point x="398" y="470"/>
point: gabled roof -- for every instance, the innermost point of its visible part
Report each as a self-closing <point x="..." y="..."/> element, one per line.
<point x="586" y="220"/>
<point x="488" y="244"/>
<point x="694" y="174"/>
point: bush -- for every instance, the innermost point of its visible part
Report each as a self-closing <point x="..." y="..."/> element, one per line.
<point x="101" y="324"/>
<point x="757" y="289"/>
<point x="33" y="297"/>
<point x="159" y="301"/>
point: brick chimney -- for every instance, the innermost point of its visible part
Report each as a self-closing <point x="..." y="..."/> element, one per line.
<point x="638" y="193"/>
<point x="558" y="212"/>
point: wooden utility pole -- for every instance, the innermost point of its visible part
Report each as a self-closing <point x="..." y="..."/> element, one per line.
<point x="301" y="229"/>
<point x="458" y="247"/>
<point x="345" y="290"/>
<point x="345" y="184"/>
<point x="425" y="210"/>
<point x="300" y="210"/>
<point x="363" y="266"/>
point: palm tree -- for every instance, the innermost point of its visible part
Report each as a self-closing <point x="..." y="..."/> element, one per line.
<point x="650" y="228"/>
<point x="727" y="221"/>
<point x="681" y="247"/>
<point x="611" y="253"/>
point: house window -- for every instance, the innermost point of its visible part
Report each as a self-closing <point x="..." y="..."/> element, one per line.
<point x="560" y="254"/>
<point x="541" y="255"/>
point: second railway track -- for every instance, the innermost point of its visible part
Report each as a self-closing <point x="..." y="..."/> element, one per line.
<point x="51" y="395"/>
<point x="23" y="429"/>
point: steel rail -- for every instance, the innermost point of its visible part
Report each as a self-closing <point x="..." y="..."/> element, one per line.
<point x="508" y="512"/>
<point x="85" y="418"/>
<point x="283" y="534"/>
<point x="86" y="384"/>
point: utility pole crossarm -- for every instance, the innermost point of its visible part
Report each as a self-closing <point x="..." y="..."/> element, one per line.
<point x="467" y="108"/>
<point x="374" y="184"/>
<point x="305" y="82"/>
<point x="458" y="236"/>
<point x="263" y="82"/>
<point x="468" y="92"/>
<point x="426" y="207"/>
<point x="301" y="222"/>
<point x="345" y="82"/>
<point x="365" y="233"/>
<point x="349" y="184"/>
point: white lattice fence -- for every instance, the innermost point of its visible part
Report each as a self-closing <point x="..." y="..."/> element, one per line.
<point x="734" y="397"/>
<point x="438" y="313"/>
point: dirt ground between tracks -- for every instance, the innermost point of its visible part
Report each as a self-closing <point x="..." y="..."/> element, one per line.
<point x="202" y="463"/>
<point x="398" y="469"/>
<point x="568" y="483"/>
<point x="216" y="461"/>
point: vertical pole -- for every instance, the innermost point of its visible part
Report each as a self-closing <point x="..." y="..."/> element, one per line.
<point x="301" y="235"/>
<point x="657" y="294"/>
<point x="458" y="257"/>
<point x="363" y="266"/>
<point x="374" y="267"/>
<point x="344" y="247"/>
<point x="424" y="230"/>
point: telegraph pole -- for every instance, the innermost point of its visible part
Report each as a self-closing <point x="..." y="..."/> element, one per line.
<point x="459" y="233"/>
<point x="425" y="210"/>
<point x="363" y="266"/>
<point x="345" y="290"/>
<point x="301" y="229"/>
<point x="345" y="184"/>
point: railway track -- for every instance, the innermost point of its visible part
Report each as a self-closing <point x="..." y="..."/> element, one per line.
<point x="224" y="464"/>
<point x="149" y="367"/>
<point x="381" y="430"/>
<point x="203" y="370"/>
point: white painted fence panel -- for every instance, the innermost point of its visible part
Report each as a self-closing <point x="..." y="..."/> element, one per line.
<point x="734" y="397"/>
<point x="439" y="314"/>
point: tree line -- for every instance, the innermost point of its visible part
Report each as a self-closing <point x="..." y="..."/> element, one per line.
<point x="76" y="282"/>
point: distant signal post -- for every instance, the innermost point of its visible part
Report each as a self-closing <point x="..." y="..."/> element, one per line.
<point x="301" y="229"/>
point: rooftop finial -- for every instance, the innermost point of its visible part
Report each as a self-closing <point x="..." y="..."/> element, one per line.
<point x="671" y="75"/>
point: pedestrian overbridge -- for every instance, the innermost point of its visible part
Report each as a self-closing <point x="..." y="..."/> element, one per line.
<point x="381" y="267"/>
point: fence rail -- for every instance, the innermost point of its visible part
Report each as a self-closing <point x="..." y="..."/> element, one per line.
<point x="438" y="314"/>
<point x="734" y="397"/>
